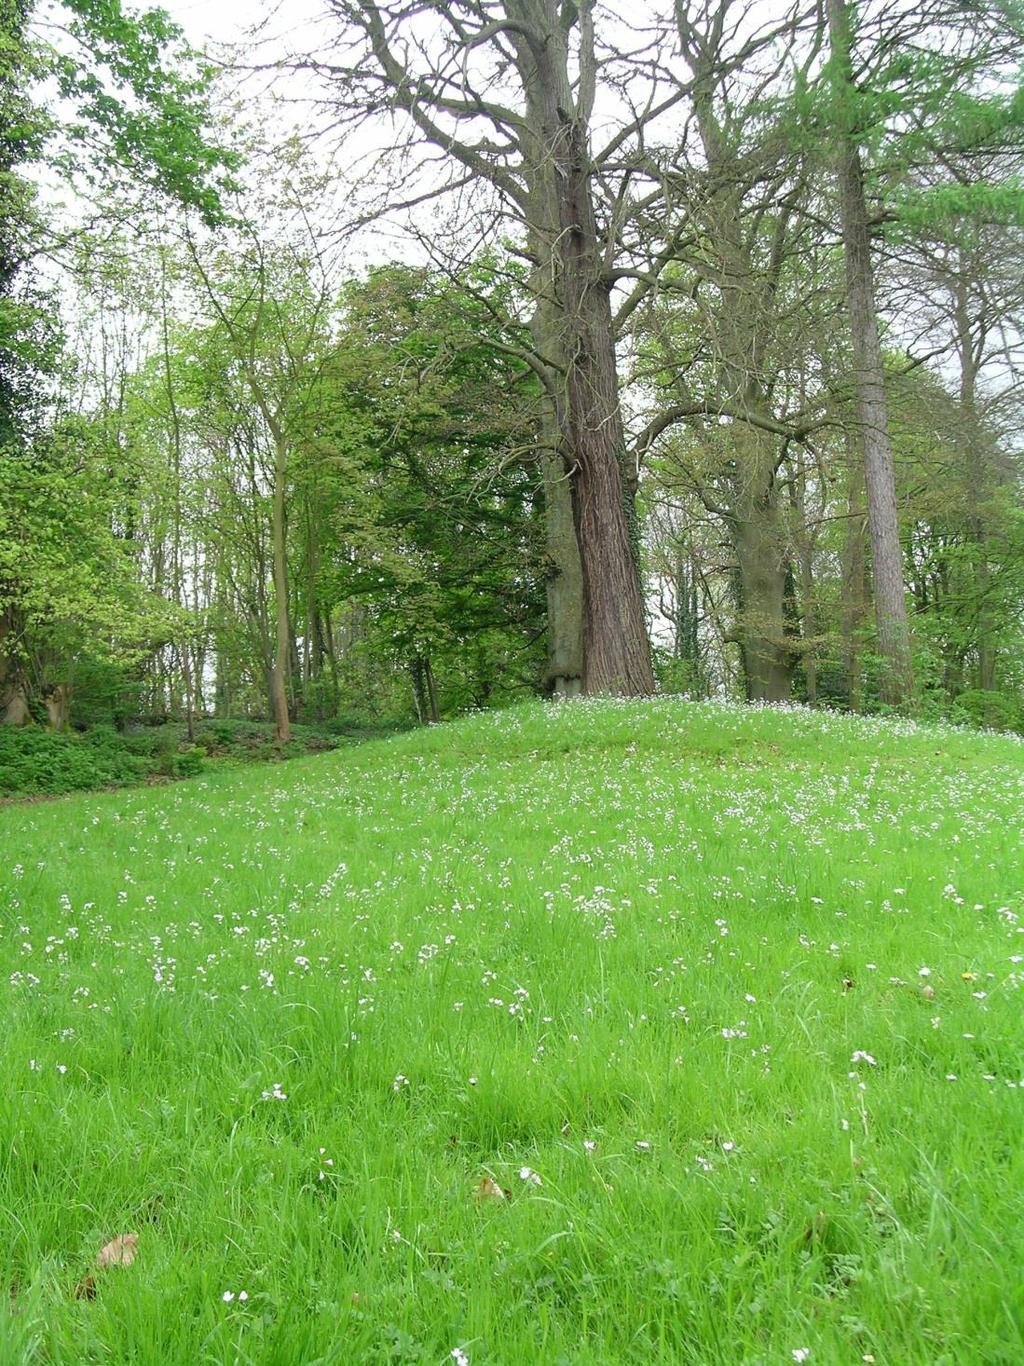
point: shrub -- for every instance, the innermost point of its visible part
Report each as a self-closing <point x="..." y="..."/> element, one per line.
<point x="992" y="710"/>
<point x="39" y="761"/>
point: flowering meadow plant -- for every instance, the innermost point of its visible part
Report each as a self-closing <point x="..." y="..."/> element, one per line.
<point x="604" y="1032"/>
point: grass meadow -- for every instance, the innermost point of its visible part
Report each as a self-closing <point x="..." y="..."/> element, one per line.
<point x="601" y="1033"/>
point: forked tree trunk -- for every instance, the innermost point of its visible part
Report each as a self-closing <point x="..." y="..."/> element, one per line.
<point x="435" y="711"/>
<point x="897" y="678"/>
<point x="424" y="690"/>
<point x="978" y="480"/>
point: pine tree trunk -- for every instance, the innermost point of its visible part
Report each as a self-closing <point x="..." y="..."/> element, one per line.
<point x="854" y="579"/>
<point x="897" y="678"/>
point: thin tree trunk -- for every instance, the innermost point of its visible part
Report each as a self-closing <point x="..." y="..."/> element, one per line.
<point x="284" y="642"/>
<point x="435" y="713"/>
<point x="419" y="689"/>
<point x="971" y="353"/>
<point x="897" y="680"/>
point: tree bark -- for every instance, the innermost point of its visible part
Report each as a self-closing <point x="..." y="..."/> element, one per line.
<point x="897" y="676"/>
<point x="58" y="706"/>
<point x="564" y="676"/>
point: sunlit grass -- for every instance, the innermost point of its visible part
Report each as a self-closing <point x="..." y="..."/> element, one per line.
<point x="726" y="1003"/>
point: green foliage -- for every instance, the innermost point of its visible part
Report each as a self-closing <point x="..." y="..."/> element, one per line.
<point x="142" y="105"/>
<point x="64" y="568"/>
<point x="36" y="761"/>
<point x="990" y="710"/>
<point x="447" y="546"/>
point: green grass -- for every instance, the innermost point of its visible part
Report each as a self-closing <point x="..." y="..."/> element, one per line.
<point x="638" y="950"/>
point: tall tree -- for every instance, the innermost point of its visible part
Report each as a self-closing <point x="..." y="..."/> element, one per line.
<point x="530" y="69"/>
<point x="869" y="372"/>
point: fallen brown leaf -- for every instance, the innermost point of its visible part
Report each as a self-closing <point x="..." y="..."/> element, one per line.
<point x="120" y="1251"/>
<point x="488" y="1189"/>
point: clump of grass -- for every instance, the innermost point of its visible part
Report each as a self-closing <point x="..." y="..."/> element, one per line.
<point x="723" y="1003"/>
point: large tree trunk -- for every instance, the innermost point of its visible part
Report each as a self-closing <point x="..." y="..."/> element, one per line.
<point x="616" y="649"/>
<point x="897" y="679"/>
<point x="765" y="648"/>
<point x="762" y="556"/>
<point x="573" y="328"/>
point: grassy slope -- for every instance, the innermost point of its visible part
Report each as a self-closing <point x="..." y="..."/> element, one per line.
<point x="662" y="930"/>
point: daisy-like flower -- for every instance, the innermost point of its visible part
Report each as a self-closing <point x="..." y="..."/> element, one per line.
<point x="459" y="1357"/>
<point x="528" y="1174"/>
<point x="861" y="1056"/>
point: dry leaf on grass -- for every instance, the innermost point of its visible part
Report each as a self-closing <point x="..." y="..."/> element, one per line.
<point x="488" y="1189"/>
<point x="120" y="1251"/>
